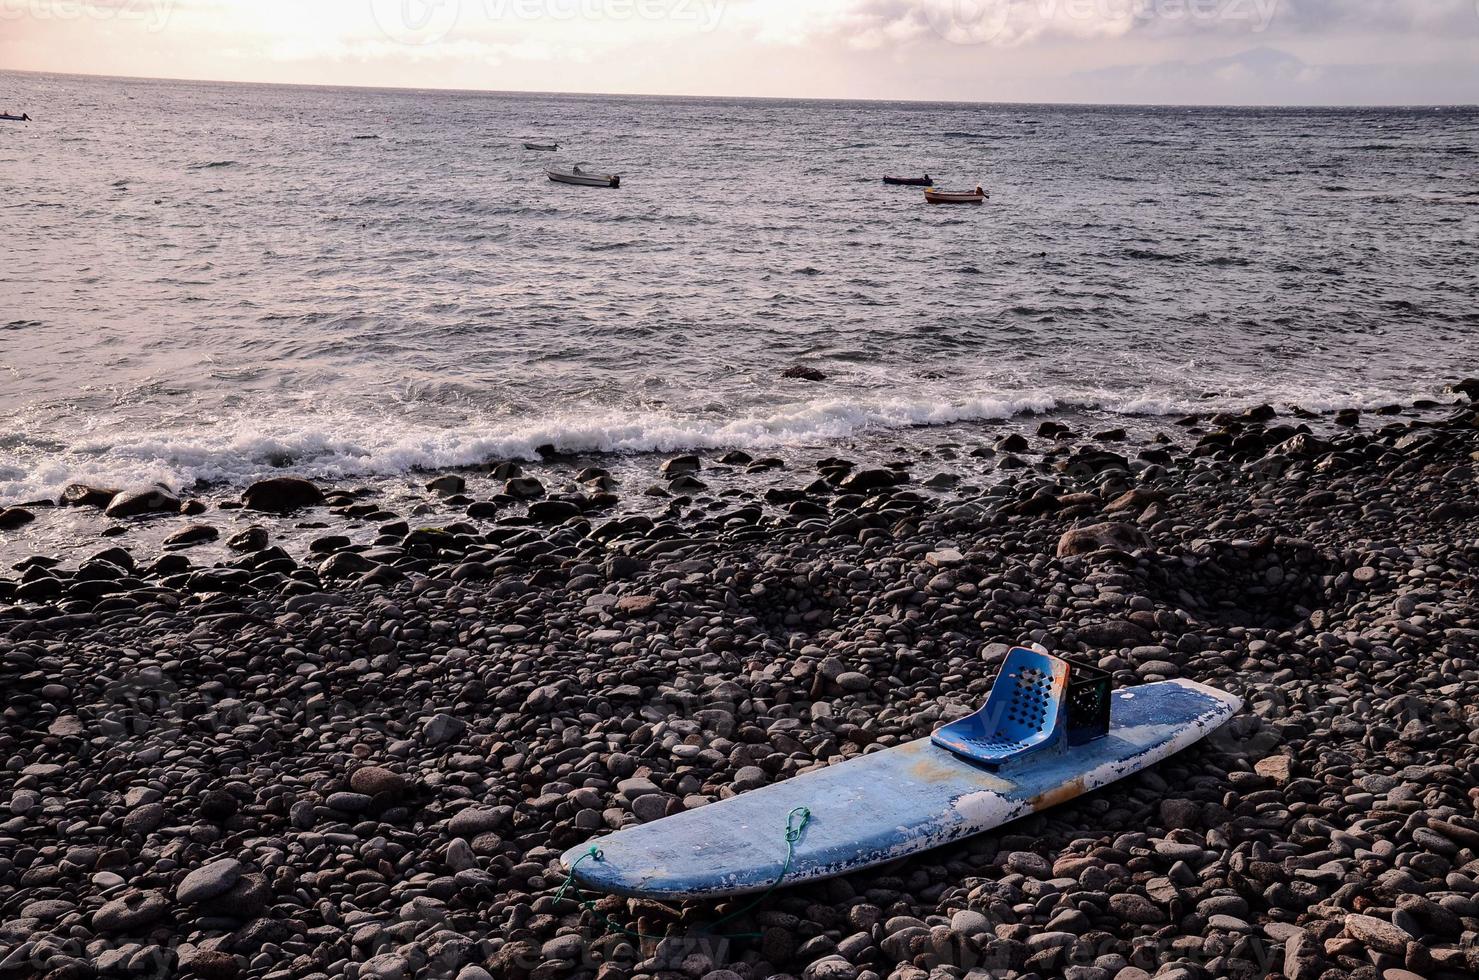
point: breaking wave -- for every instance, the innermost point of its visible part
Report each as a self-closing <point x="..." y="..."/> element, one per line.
<point x="239" y="450"/>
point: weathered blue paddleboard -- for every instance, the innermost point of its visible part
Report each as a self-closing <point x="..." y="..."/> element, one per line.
<point x="887" y="805"/>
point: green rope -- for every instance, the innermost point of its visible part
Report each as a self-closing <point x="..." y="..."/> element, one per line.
<point x="589" y="904"/>
<point x="594" y="852"/>
<point x="793" y="834"/>
<point x="796" y="824"/>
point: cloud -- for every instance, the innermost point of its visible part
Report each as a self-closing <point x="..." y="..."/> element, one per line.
<point x="1262" y="64"/>
<point x="1409" y="50"/>
<point x="1013" y="23"/>
<point x="1428" y="17"/>
<point x="381" y="50"/>
<point x="1003" y="23"/>
<point x="1269" y="76"/>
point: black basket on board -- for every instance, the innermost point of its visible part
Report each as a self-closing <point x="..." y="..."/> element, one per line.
<point x="1088" y="703"/>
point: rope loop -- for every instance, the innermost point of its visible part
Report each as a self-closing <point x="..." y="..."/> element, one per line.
<point x="793" y="834"/>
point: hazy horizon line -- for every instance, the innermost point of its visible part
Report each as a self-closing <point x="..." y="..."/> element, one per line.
<point x="752" y="98"/>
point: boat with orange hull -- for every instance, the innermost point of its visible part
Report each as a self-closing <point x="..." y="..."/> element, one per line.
<point x="933" y="196"/>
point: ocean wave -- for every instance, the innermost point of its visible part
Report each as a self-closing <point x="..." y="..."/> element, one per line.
<point x="359" y="326"/>
<point x="235" y="451"/>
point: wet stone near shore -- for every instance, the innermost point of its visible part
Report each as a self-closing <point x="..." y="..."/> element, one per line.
<point x="253" y="757"/>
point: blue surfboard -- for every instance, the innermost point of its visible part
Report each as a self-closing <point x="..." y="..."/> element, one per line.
<point x="887" y="805"/>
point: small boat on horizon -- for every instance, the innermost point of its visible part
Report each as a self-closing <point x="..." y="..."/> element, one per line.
<point x="924" y="181"/>
<point x="10" y="117"/>
<point x="934" y="196"/>
<point x="547" y="147"/>
<point x="582" y="178"/>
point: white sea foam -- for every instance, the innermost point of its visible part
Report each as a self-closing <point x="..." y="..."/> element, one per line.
<point x="328" y="445"/>
<point x="236" y="451"/>
<point x="224" y="328"/>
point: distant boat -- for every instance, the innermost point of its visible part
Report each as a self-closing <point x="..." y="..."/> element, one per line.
<point x="933" y="196"/>
<point x="541" y="146"/>
<point x="575" y="175"/>
<point x="7" y="117"/>
<point x="909" y="181"/>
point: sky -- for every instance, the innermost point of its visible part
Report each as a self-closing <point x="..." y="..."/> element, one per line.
<point x="1240" y="52"/>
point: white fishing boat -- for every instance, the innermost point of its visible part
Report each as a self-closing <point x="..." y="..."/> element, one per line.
<point x="934" y="196"/>
<point x="541" y="146"/>
<point x="577" y="175"/>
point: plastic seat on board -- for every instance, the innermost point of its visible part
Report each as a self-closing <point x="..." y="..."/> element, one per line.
<point x="1022" y="714"/>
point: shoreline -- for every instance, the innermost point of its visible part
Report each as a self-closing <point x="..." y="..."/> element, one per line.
<point x="210" y="462"/>
<point x="363" y="759"/>
<point x="945" y="459"/>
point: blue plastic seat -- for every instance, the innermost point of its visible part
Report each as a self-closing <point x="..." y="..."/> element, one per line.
<point x="1022" y="714"/>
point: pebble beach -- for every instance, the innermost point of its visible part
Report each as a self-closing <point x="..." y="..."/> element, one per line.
<point x="303" y="731"/>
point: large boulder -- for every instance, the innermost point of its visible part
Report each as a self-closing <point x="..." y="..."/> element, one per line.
<point x="1115" y="633"/>
<point x="253" y="538"/>
<point x="552" y="511"/>
<point x="82" y="495"/>
<point x="211" y="964"/>
<point x="194" y="534"/>
<point x="282" y="494"/>
<point x="1378" y="934"/>
<point x="344" y="564"/>
<point x="447" y="485"/>
<point x="1090" y="462"/>
<point x="471" y="821"/>
<point x="865" y="480"/>
<point x="245" y="900"/>
<point x="143" y="502"/>
<point x="1302" y="445"/>
<point x="1111" y="534"/>
<point x="131" y="912"/>
<point x="13" y="517"/>
<point x="378" y="781"/>
<point x="1469" y="388"/>
<point x="208" y="882"/>
<point x="524" y="488"/>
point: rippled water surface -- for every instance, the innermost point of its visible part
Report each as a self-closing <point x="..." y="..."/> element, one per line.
<point x="210" y="280"/>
